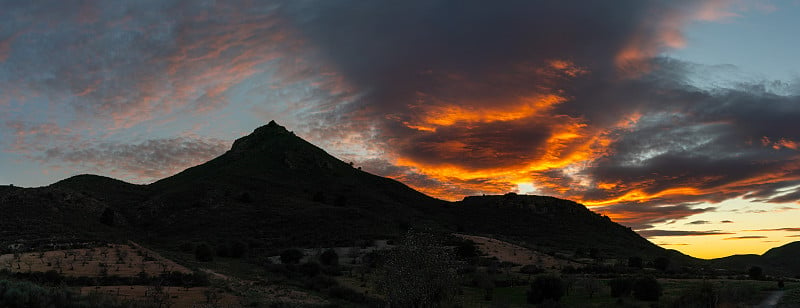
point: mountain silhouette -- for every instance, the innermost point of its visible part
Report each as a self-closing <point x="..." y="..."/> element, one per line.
<point x="276" y="190"/>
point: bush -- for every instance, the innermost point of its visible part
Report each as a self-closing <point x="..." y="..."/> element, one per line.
<point x="531" y="269"/>
<point x="238" y="249"/>
<point x="320" y="282"/>
<point x="186" y="247"/>
<point x="223" y="250"/>
<point x="466" y="250"/>
<point x="703" y="296"/>
<point x="661" y="263"/>
<point x="309" y="269"/>
<point x="621" y="286"/>
<point x="345" y="293"/>
<point x="291" y="256"/>
<point x="646" y="289"/>
<point x="329" y="257"/>
<point x="755" y="273"/>
<point x="204" y="253"/>
<point x="635" y="262"/>
<point x="546" y="288"/>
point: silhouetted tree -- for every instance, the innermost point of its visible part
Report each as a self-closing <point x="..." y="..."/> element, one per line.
<point x="107" y="218"/>
<point x="203" y="253"/>
<point x="238" y="249"/>
<point x="620" y="286"/>
<point x="661" y="263"/>
<point x="245" y="197"/>
<point x="646" y="289"/>
<point x="755" y="272"/>
<point x="635" y="262"/>
<point x="340" y="201"/>
<point x="318" y="197"/>
<point x="544" y="288"/>
<point x="329" y="257"/>
<point x="291" y="256"/>
<point x="594" y="253"/>
<point x="466" y="250"/>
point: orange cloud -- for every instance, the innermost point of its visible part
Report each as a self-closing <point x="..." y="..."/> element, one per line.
<point x="450" y="114"/>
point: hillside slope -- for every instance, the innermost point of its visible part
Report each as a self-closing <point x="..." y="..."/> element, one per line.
<point x="275" y="189"/>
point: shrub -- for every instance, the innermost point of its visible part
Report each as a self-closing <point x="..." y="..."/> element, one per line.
<point x="329" y="257"/>
<point x="635" y="262"/>
<point x="620" y="286"/>
<point x="546" y="288"/>
<point x="238" y="249"/>
<point x="531" y="269"/>
<point x="466" y="250"/>
<point x="291" y="256"/>
<point x="345" y="293"/>
<point x="186" y="247"/>
<point x="755" y="273"/>
<point x="661" y="263"/>
<point x="646" y="289"/>
<point x="223" y="250"/>
<point x="320" y="282"/>
<point x="309" y="269"/>
<point x="703" y="296"/>
<point x="204" y="253"/>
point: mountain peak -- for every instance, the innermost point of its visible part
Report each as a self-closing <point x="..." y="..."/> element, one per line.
<point x="261" y="137"/>
<point x="272" y="126"/>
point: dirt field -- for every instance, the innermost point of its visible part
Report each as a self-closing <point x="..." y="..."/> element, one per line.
<point x="505" y="251"/>
<point x="112" y="259"/>
<point x="179" y="297"/>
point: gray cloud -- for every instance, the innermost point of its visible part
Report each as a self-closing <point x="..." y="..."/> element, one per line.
<point x="151" y="159"/>
<point x="746" y="237"/>
<point x="654" y="233"/>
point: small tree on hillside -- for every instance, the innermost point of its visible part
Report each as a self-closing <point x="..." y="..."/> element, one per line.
<point x="635" y="262"/>
<point x="329" y="257"/>
<point x="107" y="218"/>
<point x="661" y="263"/>
<point x="755" y="273"/>
<point x="204" y="253"/>
<point x="546" y="288"/>
<point x="646" y="289"/>
<point x="291" y="256"/>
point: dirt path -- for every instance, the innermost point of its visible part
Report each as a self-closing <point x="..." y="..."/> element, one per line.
<point x="215" y="274"/>
<point x="772" y="300"/>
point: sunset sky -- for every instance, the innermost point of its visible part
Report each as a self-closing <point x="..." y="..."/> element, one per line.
<point x="678" y="118"/>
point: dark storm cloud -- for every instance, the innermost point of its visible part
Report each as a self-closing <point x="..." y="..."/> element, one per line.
<point x="412" y="57"/>
<point x="699" y="222"/>
<point x="571" y="96"/>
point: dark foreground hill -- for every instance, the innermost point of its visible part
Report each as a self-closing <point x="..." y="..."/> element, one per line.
<point x="783" y="259"/>
<point x="274" y="189"/>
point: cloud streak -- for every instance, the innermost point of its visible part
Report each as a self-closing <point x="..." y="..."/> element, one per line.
<point x="656" y="233"/>
<point x="137" y="162"/>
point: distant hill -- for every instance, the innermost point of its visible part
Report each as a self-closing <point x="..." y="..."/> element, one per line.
<point x="776" y="261"/>
<point x="274" y="190"/>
